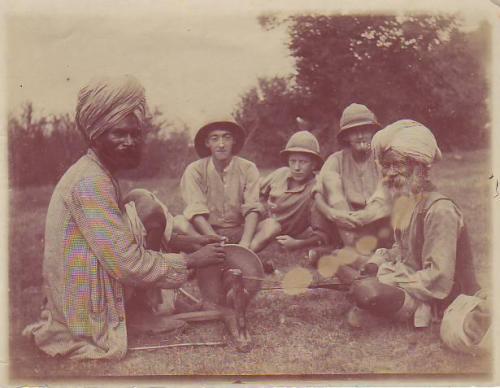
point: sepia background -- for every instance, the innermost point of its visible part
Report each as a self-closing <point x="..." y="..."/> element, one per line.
<point x="264" y="66"/>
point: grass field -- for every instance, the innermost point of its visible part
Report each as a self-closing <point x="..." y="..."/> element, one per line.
<point x="293" y="335"/>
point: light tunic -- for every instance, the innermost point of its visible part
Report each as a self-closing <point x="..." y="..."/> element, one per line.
<point x="90" y="255"/>
<point x="225" y="198"/>
<point x="427" y="263"/>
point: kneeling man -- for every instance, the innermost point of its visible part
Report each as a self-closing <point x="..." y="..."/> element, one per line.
<point x="221" y="190"/>
<point x="91" y="253"/>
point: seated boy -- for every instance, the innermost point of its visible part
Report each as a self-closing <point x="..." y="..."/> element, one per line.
<point x="287" y="192"/>
<point x="221" y="190"/>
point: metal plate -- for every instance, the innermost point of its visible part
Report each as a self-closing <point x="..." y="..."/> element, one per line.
<point x="210" y="280"/>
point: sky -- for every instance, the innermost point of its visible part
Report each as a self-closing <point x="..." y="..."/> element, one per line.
<point x="192" y="68"/>
<point x="195" y="58"/>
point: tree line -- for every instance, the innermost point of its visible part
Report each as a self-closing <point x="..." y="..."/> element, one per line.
<point x="430" y="68"/>
<point x="42" y="148"/>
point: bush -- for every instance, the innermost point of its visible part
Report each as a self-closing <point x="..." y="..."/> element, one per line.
<point x="42" y="149"/>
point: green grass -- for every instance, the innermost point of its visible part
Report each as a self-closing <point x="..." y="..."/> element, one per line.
<point x="293" y="335"/>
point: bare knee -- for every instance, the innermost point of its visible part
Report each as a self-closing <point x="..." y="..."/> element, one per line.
<point x="267" y="229"/>
<point x="148" y="209"/>
<point x="271" y="227"/>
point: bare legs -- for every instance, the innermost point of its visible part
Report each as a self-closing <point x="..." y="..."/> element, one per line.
<point x="266" y="230"/>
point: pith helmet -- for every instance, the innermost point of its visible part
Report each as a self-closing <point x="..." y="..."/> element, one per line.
<point x="356" y="115"/>
<point x="238" y="132"/>
<point x="304" y="142"/>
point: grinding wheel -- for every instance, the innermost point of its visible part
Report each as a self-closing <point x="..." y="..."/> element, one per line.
<point x="210" y="279"/>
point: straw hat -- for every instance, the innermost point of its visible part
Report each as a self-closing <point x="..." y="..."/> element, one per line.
<point x="238" y="132"/>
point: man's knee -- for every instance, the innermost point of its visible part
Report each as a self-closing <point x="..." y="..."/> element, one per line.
<point x="271" y="227"/>
<point x="148" y="209"/>
<point x="379" y="298"/>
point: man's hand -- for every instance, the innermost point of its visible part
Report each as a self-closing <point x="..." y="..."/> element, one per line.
<point x="210" y="254"/>
<point x="188" y="244"/>
<point x="343" y="219"/>
<point x="210" y="239"/>
<point x="287" y="242"/>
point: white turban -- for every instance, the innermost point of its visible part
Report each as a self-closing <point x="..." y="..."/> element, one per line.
<point x="106" y="101"/>
<point x="410" y="139"/>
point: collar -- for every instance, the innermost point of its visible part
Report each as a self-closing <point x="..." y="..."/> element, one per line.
<point x="225" y="170"/>
<point x="298" y="189"/>
<point x="93" y="156"/>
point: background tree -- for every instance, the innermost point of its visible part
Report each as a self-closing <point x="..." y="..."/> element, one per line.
<point x="425" y="67"/>
<point x="42" y="148"/>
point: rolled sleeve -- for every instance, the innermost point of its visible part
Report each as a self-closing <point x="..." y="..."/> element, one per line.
<point x="251" y="192"/>
<point x="95" y="210"/>
<point x="193" y="194"/>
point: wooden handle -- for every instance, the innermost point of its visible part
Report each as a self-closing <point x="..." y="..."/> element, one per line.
<point x="198" y="316"/>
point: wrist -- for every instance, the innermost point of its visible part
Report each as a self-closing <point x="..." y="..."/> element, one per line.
<point x="333" y="215"/>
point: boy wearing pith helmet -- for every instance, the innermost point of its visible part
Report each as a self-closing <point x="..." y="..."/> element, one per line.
<point x="221" y="189"/>
<point x="287" y="192"/>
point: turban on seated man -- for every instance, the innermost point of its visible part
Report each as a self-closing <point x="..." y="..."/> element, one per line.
<point x="430" y="262"/>
<point x="91" y="254"/>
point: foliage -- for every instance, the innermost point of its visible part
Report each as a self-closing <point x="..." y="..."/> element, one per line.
<point x="267" y="113"/>
<point x="425" y="67"/>
<point x="42" y="148"/>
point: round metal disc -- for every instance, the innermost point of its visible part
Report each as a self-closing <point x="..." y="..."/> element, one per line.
<point x="210" y="280"/>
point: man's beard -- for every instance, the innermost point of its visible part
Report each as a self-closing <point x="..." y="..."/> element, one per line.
<point x="398" y="186"/>
<point x="130" y="159"/>
<point x="123" y="159"/>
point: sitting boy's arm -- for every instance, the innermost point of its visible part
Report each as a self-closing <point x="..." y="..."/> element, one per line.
<point x="332" y="214"/>
<point x="251" y="192"/>
<point x="193" y="193"/>
<point x="251" y="220"/>
<point x="251" y="207"/>
<point x="329" y="184"/>
<point x="202" y="225"/>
